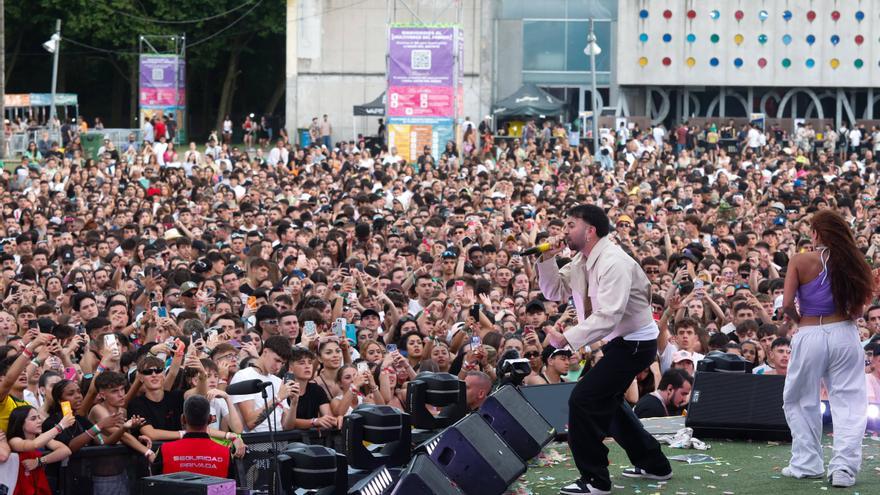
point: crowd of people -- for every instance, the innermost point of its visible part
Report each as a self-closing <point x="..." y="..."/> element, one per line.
<point x="138" y="284"/>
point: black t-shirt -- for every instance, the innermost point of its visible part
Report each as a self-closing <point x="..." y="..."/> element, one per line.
<point x="650" y="406"/>
<point x="163" y="415"/>
<point x="309" y="405"/>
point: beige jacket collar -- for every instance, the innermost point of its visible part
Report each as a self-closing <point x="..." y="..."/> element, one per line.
<point x="603" y="244"/>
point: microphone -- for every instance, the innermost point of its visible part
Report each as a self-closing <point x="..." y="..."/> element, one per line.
<point x="247" y="387"/>
<point x="540" y="248"/>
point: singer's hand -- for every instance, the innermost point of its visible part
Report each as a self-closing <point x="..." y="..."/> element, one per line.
<point x="556" y="338"/>
<point x="557" y="244"/>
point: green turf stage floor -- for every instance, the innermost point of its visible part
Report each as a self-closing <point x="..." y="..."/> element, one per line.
<point x="741" y="467"/>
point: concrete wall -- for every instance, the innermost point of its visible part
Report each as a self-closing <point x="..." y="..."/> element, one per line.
<point x="509" y="65"/>
<point x="342" y="46"/>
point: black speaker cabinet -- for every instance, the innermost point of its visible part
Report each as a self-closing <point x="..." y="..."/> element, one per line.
<point x="551" y="402"/>
<point x="734" y="405"/>
<point x="185" y="483"/>
<point x="517" y="422"/>
<point x="476" y="459"/>
<point x="424" y="477"/>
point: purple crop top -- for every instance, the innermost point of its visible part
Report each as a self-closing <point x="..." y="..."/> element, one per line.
<point x="814" y="297"/>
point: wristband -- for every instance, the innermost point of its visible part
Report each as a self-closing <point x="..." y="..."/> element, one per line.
<point x="94" y="429"/>
<point x="39" y="462"/>
<point x="182" y="433"/>
<point x="148" y="453"/>
<point x="58" y="428"/>
<point x="36" y="362"/>
<point x="100" y="369"/>
<point x="27" y="352"/>
<point x="314" y="420"/>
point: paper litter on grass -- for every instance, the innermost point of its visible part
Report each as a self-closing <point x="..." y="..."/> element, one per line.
<point x="693" y="458"/>
<point x="683" y="439"/>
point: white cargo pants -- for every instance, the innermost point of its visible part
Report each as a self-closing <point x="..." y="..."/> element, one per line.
<point x="832" y="353"/>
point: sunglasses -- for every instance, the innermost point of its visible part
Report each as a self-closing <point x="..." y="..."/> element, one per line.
<point x="152" y="371"/>
<point x="741" y="286"/>
<point x="532" y="355"/>
<point x="270" y="322"/>
<point x="652" y="272"/>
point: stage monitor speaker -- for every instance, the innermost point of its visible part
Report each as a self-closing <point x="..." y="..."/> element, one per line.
<point x="551" y="401"/>
<point x="476" y="459"/>
<point x="734" y="405"/>
<point x="517" y="422"/>
<point x="186" y="483"/>
<point x="424" y="477"/>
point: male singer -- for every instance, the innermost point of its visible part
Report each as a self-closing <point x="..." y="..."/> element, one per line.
<point x="619" y="311"/>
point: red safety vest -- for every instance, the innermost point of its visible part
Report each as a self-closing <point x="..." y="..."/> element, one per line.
<point x="196" y="453"/>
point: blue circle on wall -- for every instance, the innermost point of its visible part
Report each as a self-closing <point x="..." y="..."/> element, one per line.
<point x="715" y="15"/>
<point x="810" y="63"/>
<point x="763" y="15"/>
<point x="643" y="37"/>
<point x="786" y="39"/>
<point x="860" y="16"/>
<point x="691" y="38"/>
<point x="835" y="39"/>
<point x="643" y="13"/>
<point x="762" y="38"/>
<point x="713" y="62"/>
<point x="738" y="62"/>
<point x="787" y="15"/>
<point x="811" y="39"/>
<point x="667" y="38"/>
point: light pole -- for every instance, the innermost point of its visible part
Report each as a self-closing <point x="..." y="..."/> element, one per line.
<point x="53" y="46"/>
<point x="592" y="49"/>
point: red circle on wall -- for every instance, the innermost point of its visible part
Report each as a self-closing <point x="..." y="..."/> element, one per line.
<point x="860" y="39"/>
<point x="692" y="14"/>
<point x="667" y="14"/>
<point x="835" y="15"/>
<point x="762" y="62"/>
<point x="667" y="61"/>
<point x="811" y="16"/>
<point x="739" y="15"/>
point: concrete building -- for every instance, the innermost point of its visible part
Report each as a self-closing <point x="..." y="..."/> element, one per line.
<point x="661" y="60"/>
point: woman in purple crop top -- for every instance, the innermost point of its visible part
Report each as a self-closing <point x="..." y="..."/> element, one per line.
<point x="825" y="291"/>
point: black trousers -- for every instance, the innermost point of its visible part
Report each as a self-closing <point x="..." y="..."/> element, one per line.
<point x="596" y="410"/>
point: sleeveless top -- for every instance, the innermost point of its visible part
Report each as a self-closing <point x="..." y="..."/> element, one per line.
<point x="814" y="297"/>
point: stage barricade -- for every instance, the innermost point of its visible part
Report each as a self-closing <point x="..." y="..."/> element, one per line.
<point x="74" y="477"/>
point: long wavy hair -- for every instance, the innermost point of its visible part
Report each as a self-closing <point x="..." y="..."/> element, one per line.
<point x="852" y="284"/>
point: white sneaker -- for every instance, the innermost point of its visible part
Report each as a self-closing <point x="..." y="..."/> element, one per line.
<point x="842" y="478"/>
<point x="786" y="471"/>
<point x="580" y="487"/>
<point x="635" y="472"/>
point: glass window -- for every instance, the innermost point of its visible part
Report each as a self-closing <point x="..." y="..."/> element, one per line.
<point x="544" y="45"/>
<point x="576" y="38"/>
<point x="559" y="46"/>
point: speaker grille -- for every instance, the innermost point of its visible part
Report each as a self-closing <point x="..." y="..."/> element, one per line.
<point x="737" y="405"/>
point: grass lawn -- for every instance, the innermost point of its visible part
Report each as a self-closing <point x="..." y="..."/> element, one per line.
<point x="740" y="467"/>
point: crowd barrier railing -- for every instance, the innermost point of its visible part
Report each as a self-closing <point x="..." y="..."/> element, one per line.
<point x="74" y="476"/>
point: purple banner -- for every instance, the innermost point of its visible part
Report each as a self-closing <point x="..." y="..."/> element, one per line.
<point x="420" y="56"/>
<point x="162" y="80"/>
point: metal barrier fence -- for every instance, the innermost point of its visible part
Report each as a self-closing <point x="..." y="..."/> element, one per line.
<point x="252" y="472"/>
<point x="17" y="142"/>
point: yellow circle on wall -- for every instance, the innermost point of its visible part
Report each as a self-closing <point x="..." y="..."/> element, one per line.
<point x="738" y="39"/>
<point x="691" y="61"/>
<point x="643" y="61"/>
<point x="835" y="63"/>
